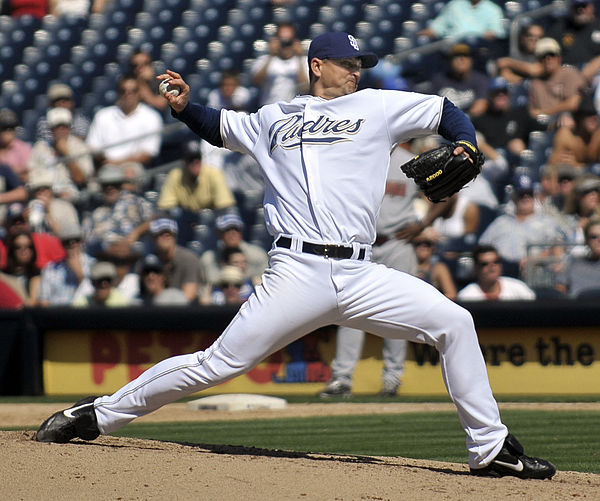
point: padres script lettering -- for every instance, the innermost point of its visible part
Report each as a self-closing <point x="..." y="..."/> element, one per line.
<point x="290" y="132"/>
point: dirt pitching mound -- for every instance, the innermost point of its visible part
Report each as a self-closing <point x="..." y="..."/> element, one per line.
<point x="113" y="468"/>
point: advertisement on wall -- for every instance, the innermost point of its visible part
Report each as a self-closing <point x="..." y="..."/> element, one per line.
<point x="520" y="361"/>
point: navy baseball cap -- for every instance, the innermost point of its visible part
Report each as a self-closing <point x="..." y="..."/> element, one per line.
<point x="337" y="45"/>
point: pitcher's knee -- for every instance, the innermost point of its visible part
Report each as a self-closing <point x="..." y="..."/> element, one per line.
<point x="456" y="320"/>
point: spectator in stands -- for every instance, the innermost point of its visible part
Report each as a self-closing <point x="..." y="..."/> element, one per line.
<point x="194" y="187"/>
<point x="14" y="152"/>
<point x="522" y="63"/>
<point x="230" y="94"/>
<point x="461" y="84"/>
<point x="228" y="290"/>
<point x="153" y="285"/>
<point x="490" y="285"/>
<point x="573" y="145"/>
<point x="282" y="73"/>
<point x="61" y="96"/>
<point x="140" y="65"/>
<point x="21" y="264"/>
<point x="123" y="216"/>
<point x="577" y="33"/>
<point x="71" y="8"/>
<point x="462" y="19"/>
<point x="566" y="176"/>
<point x="61" y="279"/>
<point x="48" y="247"/>
<point x="515" y="236"/>
<point x="35" y="8"/>
<point x="128" y="133"/>
<point x="582" y="205"/>
<point x="581" y="273"/>
<point x="230" y="228"/>
<point x="182" y="267"/>
<point x="233" y="256"/>
<point x="66" y="157"/>
<point x="547" y="198"/>
<point x="558" y="89"/>
<point x="504" y="126"/>
<point x="47" y="214"/>
<point x="458" y="224"/>
<point x="102" y="275"/>
<point x="11" y="189"/>
<point x="429" y="266"/>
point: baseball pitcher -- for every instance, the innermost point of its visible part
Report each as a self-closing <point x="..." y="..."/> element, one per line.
<point x="324" y="158"/>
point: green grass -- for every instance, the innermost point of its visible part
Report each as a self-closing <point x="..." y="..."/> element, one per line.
<point x="570" y="439"/>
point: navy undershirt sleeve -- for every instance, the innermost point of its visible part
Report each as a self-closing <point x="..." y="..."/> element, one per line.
<point x="455" y="125"/>
<point x="204" y="121"/>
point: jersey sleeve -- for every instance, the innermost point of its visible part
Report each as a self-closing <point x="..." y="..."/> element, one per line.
<point x="240" y="131"/>
<point x="410" y="114"/>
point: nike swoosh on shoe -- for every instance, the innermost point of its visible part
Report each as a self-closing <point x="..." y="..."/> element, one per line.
<point x="516" y="467"/>
<point x="69" y="412"/>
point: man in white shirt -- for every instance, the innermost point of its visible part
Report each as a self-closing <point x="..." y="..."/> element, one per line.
<point x="490" y="284"/>
<point x="128" y="133"/>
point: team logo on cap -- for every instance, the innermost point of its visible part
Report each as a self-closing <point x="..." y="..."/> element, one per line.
<point x="353" y="42"/>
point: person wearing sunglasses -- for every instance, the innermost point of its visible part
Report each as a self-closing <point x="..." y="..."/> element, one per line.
<point x="489" y="283"/>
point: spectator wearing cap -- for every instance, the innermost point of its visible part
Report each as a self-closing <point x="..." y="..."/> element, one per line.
<point x="557" y="90"/>
<point x="128" y="133"/>
<point x="102" y="275"/>
<point x="489" y="284"/>
<point x="504" y="126"/>
<point x="522" y="64"/>
<point x="461" y="83"/>
<point x="153" y="285"/>
<point x="123" y="217"/>
<point x="522" y="233"/>
<point x="14" y="152"/>
<point x="230" y="231"/>
<point x="462" y="19"/>
<point x="61" y="280"/>
<point x="46" y="213"/>
<point x="182" y="267"/>
<point x="579" y="144"/>
<point x="66" y="157"/>
<point x="228" y="289"/>
<point x="60" y="95"/>
<point x="581" y="205"/>
<point x="48" y="247"/>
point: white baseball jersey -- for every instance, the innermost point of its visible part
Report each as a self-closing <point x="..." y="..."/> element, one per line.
<point x="325" y="165"/>
<point x="309" y="192"/>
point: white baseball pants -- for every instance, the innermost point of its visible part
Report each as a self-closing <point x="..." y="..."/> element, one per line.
<point x="302" y="292"/>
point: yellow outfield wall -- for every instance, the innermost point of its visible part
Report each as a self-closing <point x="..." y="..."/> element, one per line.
<point x="521" y="360"/>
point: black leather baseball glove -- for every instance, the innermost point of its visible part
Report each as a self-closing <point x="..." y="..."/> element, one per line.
<point x="440" y="174"/>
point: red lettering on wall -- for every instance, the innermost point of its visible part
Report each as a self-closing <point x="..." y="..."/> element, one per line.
<point x="105" y="353"/>
<point x="317" y="372"/>
<point x="265" y="372"/>
<point x="175" y="342"/>
<point x="136" y="341"/>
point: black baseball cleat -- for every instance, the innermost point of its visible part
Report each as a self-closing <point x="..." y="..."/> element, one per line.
<point x="78" y="421"/>
<point x="511" y="461"/>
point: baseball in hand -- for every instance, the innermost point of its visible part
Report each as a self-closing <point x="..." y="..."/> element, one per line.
<point x="165" y="87"/>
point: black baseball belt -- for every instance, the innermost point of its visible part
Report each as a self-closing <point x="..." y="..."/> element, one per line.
<point x="326" y="250"/>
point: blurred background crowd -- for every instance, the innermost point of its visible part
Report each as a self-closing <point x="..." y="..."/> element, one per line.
<point x="105" y="199"/>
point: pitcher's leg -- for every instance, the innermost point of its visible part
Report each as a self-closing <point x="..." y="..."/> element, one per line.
<point x="397" y="305"/>
<point x="349" y="345"/>
<point x="270" y="319"/>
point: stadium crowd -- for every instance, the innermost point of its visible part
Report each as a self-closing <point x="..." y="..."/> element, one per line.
<point x="106" y="210"/>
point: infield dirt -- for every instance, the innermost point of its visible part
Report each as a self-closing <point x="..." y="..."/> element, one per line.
<point x="113" y="468"/>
